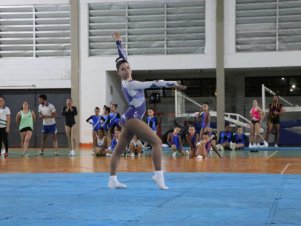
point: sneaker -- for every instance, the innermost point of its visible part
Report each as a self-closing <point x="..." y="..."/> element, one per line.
<point x="174" y="154"/>
<point x="6" y="155"/>
<point x="232" y="146"/>
<point x="108" y="155"/>
<point x="276" y="146"/>
<point x="265" y="144"/>
<point x="72" y="153"/>
<point x="139" y="155"/>
<point x="199" y="157"/>
<point x="25" y="154"/>
<point x="40" y="153"/>
<point x="251" y="145"/>
<point x="132" y="154"/>
<point x="220" y="147"/>
<point x="258" y="145"/>
<point x="2" y="152"/>
<point x="186" y="152"/>
<point x="115" y="184"/>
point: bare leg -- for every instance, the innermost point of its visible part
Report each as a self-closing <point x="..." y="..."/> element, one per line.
<point x="27" y="137"/>
<point x="277" y="133"/>
<point x="68" y="133"/>
<point x="269" y="130"/>
<point x="43" y="142"/>
<point x="94" y="139"/>
<point x="73" y="137"/>
<point x="22" y="135"/>
<point x="55" y="144"/>
<point x="142" y="130"/>
<point x="252" y="140"/>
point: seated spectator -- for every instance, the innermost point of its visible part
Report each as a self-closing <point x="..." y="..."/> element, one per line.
<point x="239" y="140"/>
<point x="174" y="141"/>
<point x="113" y="142"/>
<point x="225" y="137"/>
<point x="192" y="139"/>
<point x="213" y="139"/>
<point x="204" y="146"/>
<point x="101" y="143"/>
<point x="136" y="147"/>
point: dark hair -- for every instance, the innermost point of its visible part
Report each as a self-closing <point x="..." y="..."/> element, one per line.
<point x="43" y="97"/>
<point x="102" y="130"/>
<point x="151" y="109"/>
<point x="117" y="128"/>
<point x="107" y="108"/>
<point x="115" y="105"/>
<point x="2" y="97"/>
<point x="206" y="133"/>
<point x="69" y="98"/>
<point x="191" y="125"/>
<point x="119" y="61"/>
<point x="96" y="108"/>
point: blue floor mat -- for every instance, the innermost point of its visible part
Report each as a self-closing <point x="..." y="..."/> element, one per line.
<point x="193" y="199"/>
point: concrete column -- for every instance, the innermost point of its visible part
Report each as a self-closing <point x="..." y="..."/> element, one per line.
<point x="220" y="71"/>
<point x="75" y="61"/>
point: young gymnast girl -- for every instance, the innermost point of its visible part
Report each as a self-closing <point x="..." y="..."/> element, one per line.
<point x="132" y="121"/>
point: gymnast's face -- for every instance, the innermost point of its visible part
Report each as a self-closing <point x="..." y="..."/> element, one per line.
<point x="191" y="130"/>
<point x="125" y="71"/>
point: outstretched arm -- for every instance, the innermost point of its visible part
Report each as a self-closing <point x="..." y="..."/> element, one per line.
<point x="121" y="52"/>
<point x="135" y="85"/>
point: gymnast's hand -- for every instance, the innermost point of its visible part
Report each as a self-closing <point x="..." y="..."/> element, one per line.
<point x="117" y="36"/>
<point x="180" y="87"/>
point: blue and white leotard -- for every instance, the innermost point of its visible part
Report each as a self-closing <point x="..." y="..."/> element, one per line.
<point x="134" y="92"/>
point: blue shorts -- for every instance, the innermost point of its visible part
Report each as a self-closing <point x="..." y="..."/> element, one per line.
<point x="49" y="129"/>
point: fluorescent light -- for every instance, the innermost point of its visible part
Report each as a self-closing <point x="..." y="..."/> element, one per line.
<point x="291" y="90"/>
<point x="293" y="86"/>
<point x="282" y="78"/>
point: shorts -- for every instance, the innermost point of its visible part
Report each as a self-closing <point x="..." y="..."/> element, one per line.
<point x="25" y="129"/>
<point x="49" y="129"/>
<point x="274" y="121"/>
<point x="255" y="122"/>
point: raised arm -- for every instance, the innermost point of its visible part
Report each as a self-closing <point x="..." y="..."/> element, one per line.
<point x="121" y="52"/>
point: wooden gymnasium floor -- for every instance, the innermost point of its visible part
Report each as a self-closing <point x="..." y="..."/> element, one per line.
<point x="272" y="161"/>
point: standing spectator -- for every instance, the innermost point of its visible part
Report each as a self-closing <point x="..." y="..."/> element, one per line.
<point x="275" y="111"/>
<point x="4" y="125"/>
<point x="151" y="121"/>
<point x="48" y="113"/>
<point x="70" y="111"/>
<point x="113" y="119"/>
<point x="25" y="119"/>
<point x="95" y="121"/>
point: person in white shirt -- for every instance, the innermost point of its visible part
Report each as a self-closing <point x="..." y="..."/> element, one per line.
<point x="4" y="125"/>
<point x="48" y="113"/>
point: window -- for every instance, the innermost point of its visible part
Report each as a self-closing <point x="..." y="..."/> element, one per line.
<point x="285" y="86"/>
<point x="268" y="25"/>
<point x="148" y="28"/>
<point x="35" y="31"/>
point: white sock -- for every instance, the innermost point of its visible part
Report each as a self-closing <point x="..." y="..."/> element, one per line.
<point x="115" y="184"/>
<point x="159" y="180"/>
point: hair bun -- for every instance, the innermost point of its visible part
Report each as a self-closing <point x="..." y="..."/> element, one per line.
<point x="119" y="59"/>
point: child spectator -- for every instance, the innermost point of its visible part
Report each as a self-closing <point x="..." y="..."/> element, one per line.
<point x="204" y="146"/>
<point x="136" y="147"/>
<point x="94" y="120"/>
<point x="225" y="138"/>
<point x="102" y="143"/>
<point x="174" y="141"/>
<point x="113" y="142"/>
<point x="192" y="139"/>
<point x="151" y="121"/>
<point x="239" y="140"/>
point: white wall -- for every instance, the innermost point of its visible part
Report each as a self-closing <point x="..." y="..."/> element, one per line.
<point x="44" y="72"/>
<point x="256" y="59"/>
<point x="94" y="70"/>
